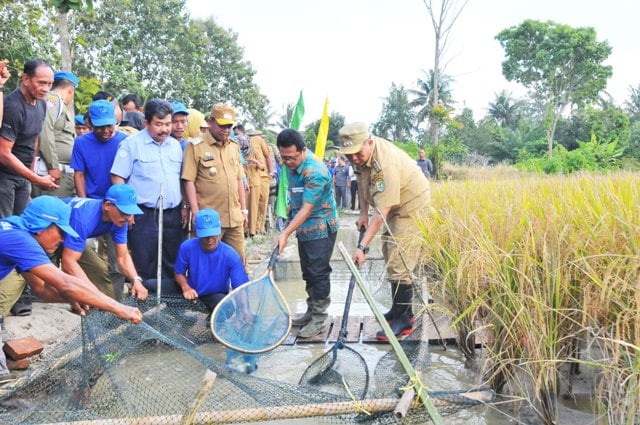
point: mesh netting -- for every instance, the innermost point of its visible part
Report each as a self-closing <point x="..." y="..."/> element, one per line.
<point x="253" y="318"/>
<point x="113" y="372"/>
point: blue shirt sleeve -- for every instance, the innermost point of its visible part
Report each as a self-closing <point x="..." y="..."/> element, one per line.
<point x="119" y="234"/>
<point x="182" y="259"/>
<point x="237" y="272"/>
<point x="123" y="162"/>
<point x="21" y="249"/>
<point x="77" y="159"/>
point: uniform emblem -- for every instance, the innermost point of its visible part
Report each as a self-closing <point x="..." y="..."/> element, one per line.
<point x="51" y="100"/>
<point x="122" y="153"/>
<point x="379" y="185"/>
<point x="207" y="156"/>
<point x="196" y="140"/>
<point x="376" y="166"/>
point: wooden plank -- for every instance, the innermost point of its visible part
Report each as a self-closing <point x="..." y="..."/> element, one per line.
<point x="444" y="325"/>
<point x="353" y="328"/>
<point x="335" y="330"/>
<point x="321" y="337"/>
<point x="369" y="328"/>
<point x="291" y="338"/>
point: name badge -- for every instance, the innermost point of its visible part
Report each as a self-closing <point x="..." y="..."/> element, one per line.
<point x="297" y="189"/>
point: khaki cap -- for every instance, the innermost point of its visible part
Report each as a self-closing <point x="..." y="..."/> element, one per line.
<point x="223" y="114"/>
<point x="352" y="136"/>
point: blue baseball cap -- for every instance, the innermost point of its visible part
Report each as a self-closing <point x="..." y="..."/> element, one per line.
<point x="79" y="119"/>
<point x="207" y="223"/>
<point x="179" y="108"/>
<point x="45" y="210"/>
<point x="66" y="76"/>
<point x="124" y="197"/>
<point x="101" y="113"/>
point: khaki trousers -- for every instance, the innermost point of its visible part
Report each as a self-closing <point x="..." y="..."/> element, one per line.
<point x="258" y="200"/>
<point x="234" y="236"/>
<point x="402" y="252"/>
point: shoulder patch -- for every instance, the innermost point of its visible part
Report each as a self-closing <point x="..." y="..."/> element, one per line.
<point x="51" y="100"/>
<point x="195" y="140"/>
<point x="376" y="166"/>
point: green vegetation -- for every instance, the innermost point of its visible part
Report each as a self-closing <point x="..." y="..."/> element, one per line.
<point x="550" y="266"/>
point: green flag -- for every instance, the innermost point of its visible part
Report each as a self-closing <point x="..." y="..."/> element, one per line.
<point x="298" y="113"/>
<point x="283" y="185"/>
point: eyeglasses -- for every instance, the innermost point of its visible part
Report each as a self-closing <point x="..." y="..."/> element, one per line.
<point x="286" y="158"/>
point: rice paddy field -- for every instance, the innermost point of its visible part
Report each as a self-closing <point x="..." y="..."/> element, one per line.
<point x="550" y="268"/>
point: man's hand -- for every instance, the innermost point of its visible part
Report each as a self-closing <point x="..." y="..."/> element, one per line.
<point x="56" y="174"/>
<point x="139" y="291"/>
<point x="359" y="258"/>
<point x="282" y="242"/>
<point x="185" y="217"/>
<point x="4" y="73"/>
<point x="46" y="182"/>
<point x="129" y="313"/>
<point x="190" y="294"/>
<point x="79" y="308"/>
<point x="362" y="222"/>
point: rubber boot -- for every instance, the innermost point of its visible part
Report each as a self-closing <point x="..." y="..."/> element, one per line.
<point x="388" y="316"/>
<point x="305" y="318"/>
<point x="401" y="324"/>
<point x="318" y="318"/>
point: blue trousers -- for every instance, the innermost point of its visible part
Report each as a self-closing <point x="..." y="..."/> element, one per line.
<point x="143" y="241"/>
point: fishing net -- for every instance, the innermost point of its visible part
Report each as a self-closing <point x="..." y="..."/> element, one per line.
<point x="117" y="373"/>
<point x="253" y="318"/>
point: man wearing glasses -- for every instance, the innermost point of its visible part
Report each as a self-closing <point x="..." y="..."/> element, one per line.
<point x="314" y="218"/>
<point x="391" y="182"/>
<point x="212" y="177"/>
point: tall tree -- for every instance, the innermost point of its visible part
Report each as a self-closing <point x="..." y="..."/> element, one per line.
<point x="633" y="104"/>
<point x="504" y="109"/>
<point x="63" y="7"/>
<point x="444" y="14"/>
<point x="24" y="34"/>
<point x="336" y="122"/>
<point x="423" y="95"/>
<point x="563" y="66"/>
<point x="287" y="116"/>
<point x="397" y="119"/>
<point x="153" y="48"/>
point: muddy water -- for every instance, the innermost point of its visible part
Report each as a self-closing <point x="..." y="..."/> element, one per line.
<point x="445" y="372"/>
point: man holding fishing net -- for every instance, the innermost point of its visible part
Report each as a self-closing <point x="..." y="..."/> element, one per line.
<point x="391" y="182"/>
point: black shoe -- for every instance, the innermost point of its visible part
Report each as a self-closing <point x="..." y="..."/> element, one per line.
<point x="399" y="327"/>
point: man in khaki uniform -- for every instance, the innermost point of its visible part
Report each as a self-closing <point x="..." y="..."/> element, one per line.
<point x="391" y="182"/>
<point x="57" y="136"/>
<point x="259" y="169"/>
<point x="212" y="177"/>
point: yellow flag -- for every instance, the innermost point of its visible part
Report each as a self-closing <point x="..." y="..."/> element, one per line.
<point x="323" y="132"/>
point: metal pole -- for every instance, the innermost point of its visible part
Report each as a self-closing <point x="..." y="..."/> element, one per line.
<point x="160" y="226"/>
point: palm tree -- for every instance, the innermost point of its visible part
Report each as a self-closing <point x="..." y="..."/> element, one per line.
<point x="633" y="104"/>
<point x="505" y="110"/>
<point x="424" y="94"/>
<point x="285" y="119"/>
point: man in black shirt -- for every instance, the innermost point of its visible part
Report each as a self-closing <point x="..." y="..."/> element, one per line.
<point x="24" y="112"/>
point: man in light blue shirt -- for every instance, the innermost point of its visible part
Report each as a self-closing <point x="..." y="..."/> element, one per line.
<point x="148" y="161"/>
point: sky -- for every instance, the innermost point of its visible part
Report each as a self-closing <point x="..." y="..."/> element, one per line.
<point x="351" y="51"/>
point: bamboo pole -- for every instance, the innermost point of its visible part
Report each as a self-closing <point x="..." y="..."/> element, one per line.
<point x="400" y="412"/>
<point x="404" y="361"/>
<point x="207" y="383"/>
<point x="271" y="413"/>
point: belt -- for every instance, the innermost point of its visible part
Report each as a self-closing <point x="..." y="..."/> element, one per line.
<point x="144" y="207"/>
<point x="65" y="169"/>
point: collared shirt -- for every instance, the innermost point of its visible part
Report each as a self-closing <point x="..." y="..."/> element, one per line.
<point x="215" y="170"/>
<point x="146" y="164"/>
<point x="58" y="132"/>
<point x="86" y="220"/>
<point x="258" y="151"/>
<point x="391" y="179"/>
<point x="341" y="175"/>
<point x="94" y="158"/>
<point x="310" y="183"/>
<point x="19" y="250"/>
<point x="210" y="272"/>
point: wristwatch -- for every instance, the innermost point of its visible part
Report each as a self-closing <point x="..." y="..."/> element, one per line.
<point x="133" y="279"/>
<point x="364" y="249"/>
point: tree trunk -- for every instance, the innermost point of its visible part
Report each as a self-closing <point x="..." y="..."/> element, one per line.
<point x="551" y="122"/>
<point x="434" y="126"/>
<point x="65" y="46"/>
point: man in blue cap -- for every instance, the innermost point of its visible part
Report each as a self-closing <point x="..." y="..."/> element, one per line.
<point x="179" y="122"/>
<point x="205" y="265"/>
<point x="57" y="136"/>
<point x="93" y="153"/>
<point x="25" y="243"/>
<point x="92" y="218"/>
<point x="81" y="126"/>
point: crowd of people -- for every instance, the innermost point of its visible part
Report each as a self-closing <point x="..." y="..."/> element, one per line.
<point x="127" y="171"/>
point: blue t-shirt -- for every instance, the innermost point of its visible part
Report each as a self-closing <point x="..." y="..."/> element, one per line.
<point x="86" y="220"/>
<point x="210" y="272"/>
<point x="94" y="158"/>
<point x="19" y="250"/>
